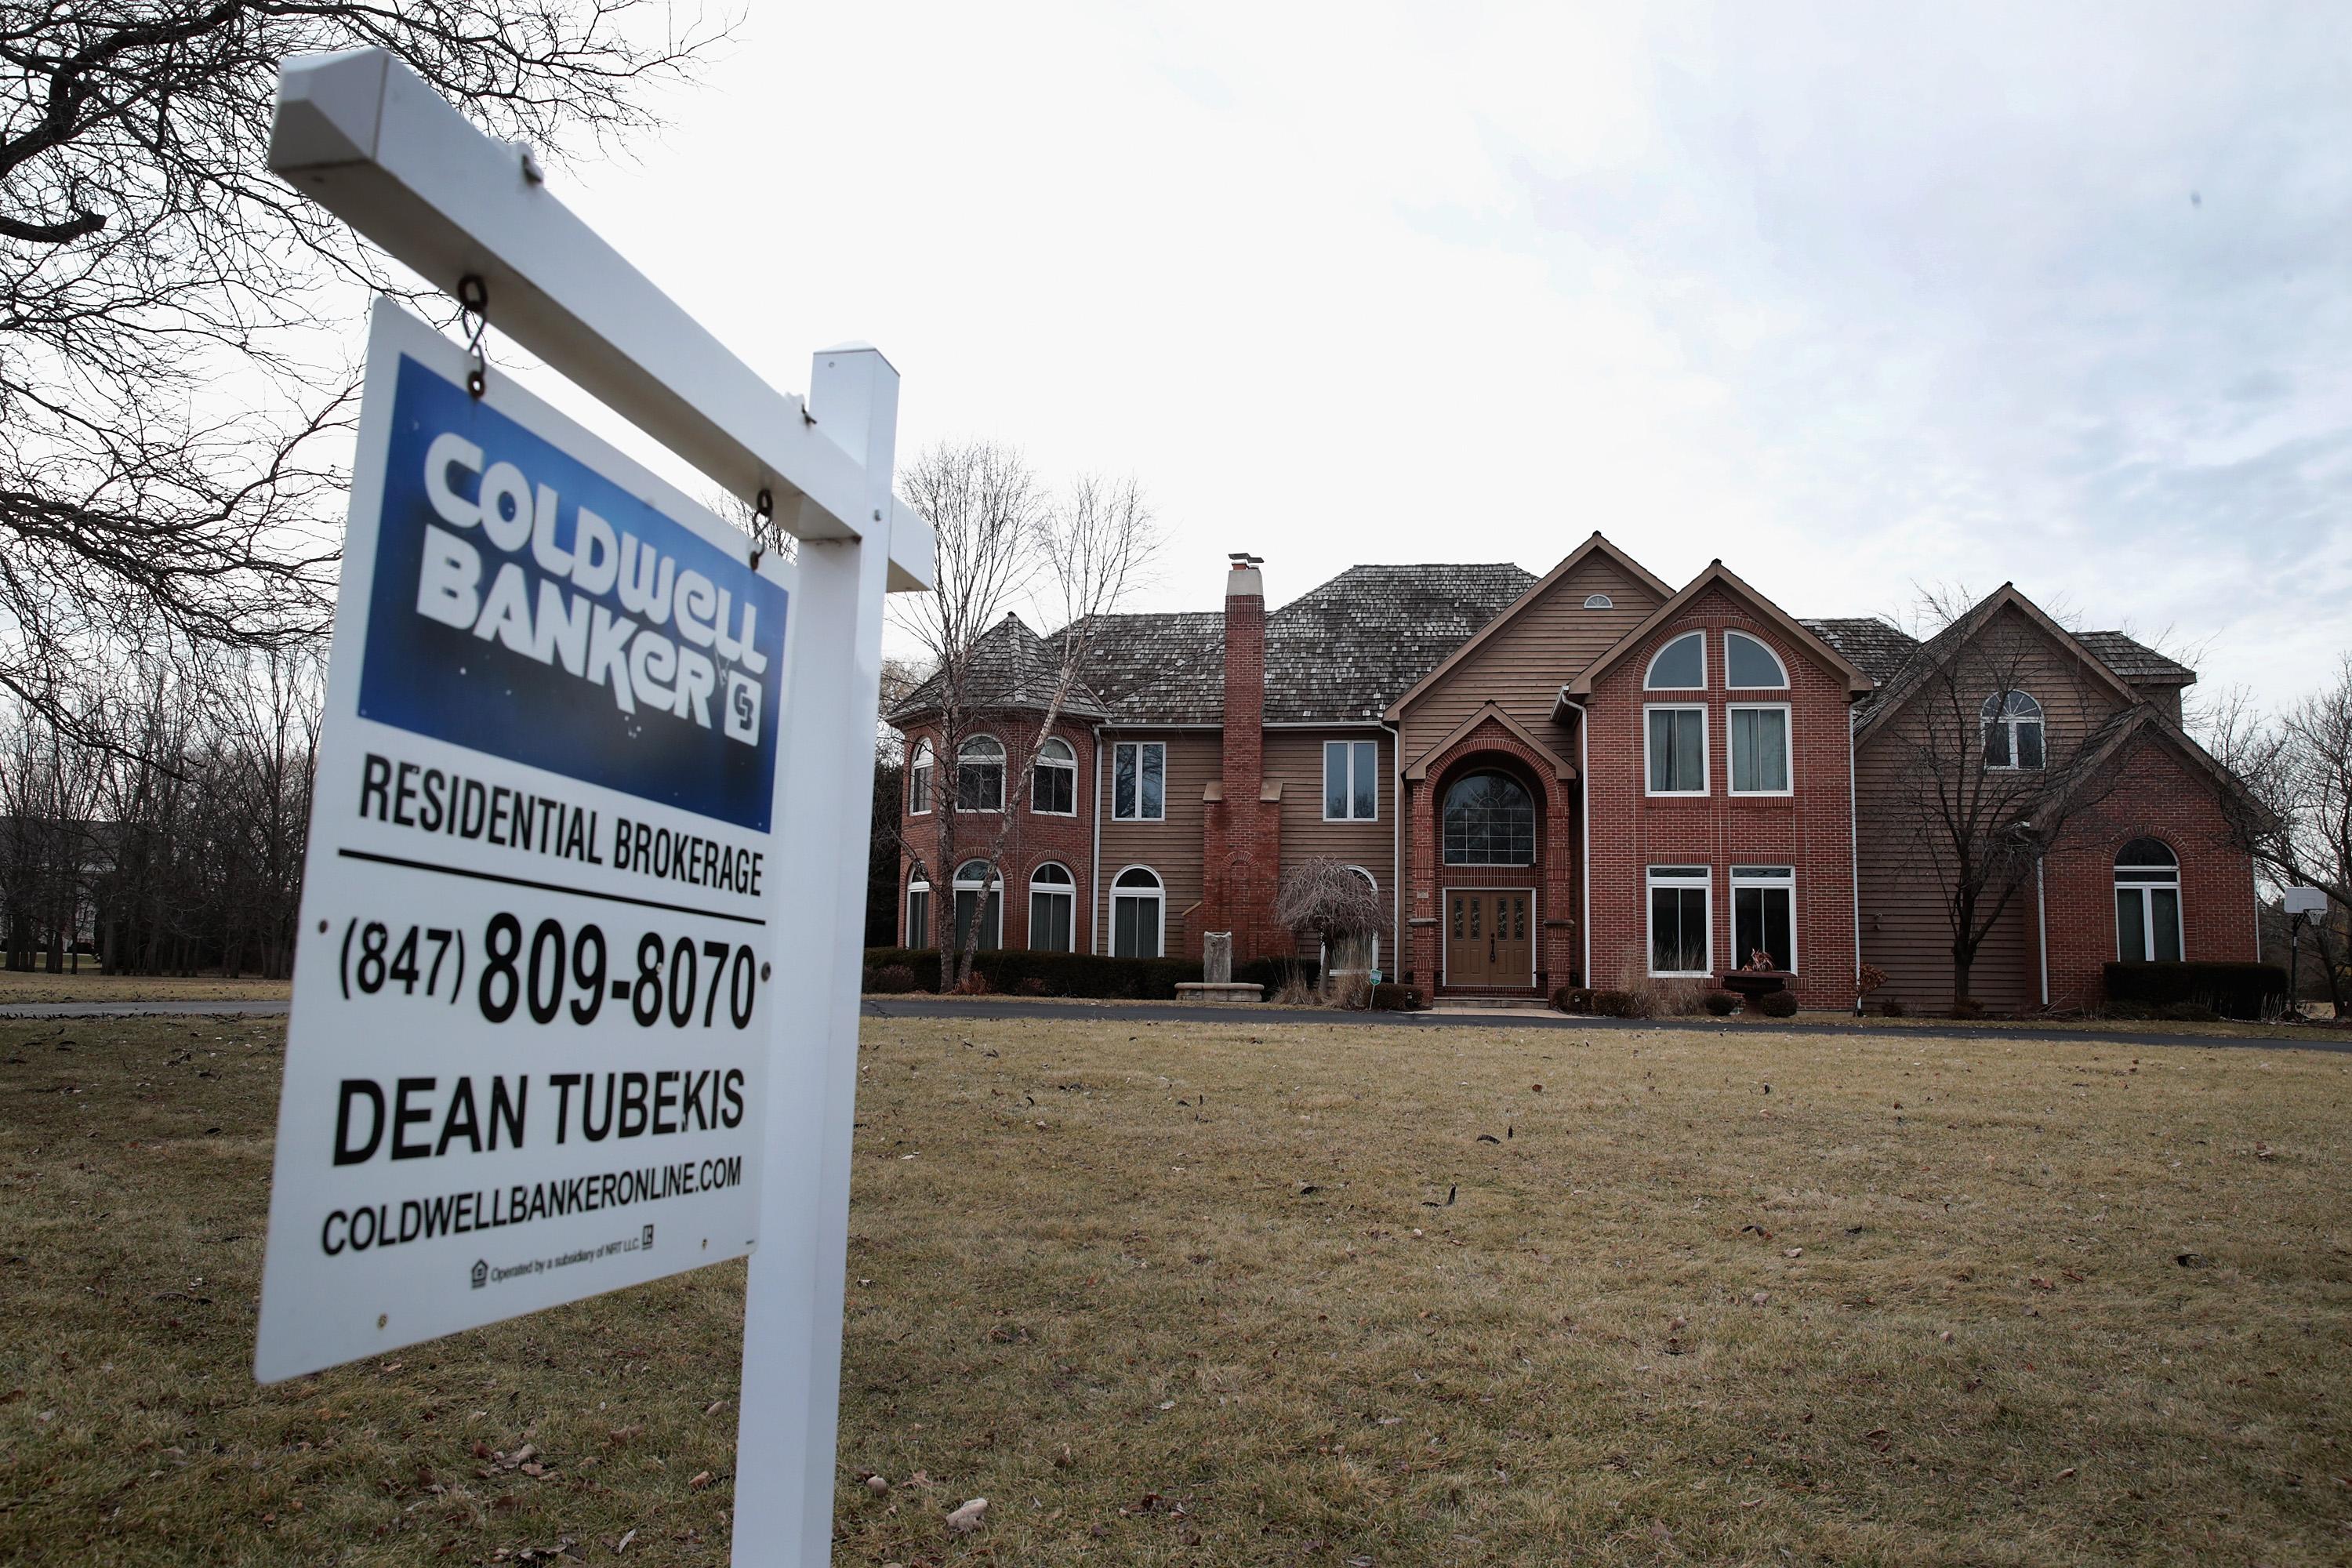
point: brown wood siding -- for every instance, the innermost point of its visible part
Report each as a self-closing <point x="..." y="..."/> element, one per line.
<point x="1295" y="759"/>
<point x="1522" y="666"/>
<point x="1171" y="847"/>
<point x="1904" y="929"/>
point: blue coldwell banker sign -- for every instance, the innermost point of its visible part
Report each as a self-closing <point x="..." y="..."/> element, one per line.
<point x="527" y="607"/>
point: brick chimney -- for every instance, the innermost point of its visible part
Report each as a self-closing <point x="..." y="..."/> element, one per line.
<point x="1244" y="680"/>
<point x="1242" y="852"/>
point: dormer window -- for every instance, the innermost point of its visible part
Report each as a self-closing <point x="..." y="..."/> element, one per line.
<point x="1680" y="665"/>
<point x="2012" y="731"/>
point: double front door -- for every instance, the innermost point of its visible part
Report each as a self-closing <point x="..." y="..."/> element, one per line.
<point x="1489" y="936"/>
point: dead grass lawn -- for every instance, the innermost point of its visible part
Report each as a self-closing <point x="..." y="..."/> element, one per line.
<point x="1172" y="1293"/>
<point x="32" y="985"/>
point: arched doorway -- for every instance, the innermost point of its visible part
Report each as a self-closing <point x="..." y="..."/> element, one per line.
<point x="1488" y="825"/>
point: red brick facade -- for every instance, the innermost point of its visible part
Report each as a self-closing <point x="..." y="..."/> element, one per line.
<point x="1809" y="829"/>
<point x="1552" y="695"/>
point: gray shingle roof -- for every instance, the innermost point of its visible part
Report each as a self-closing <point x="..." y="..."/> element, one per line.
<point x="1877" y="649"/>
<point x="1345" y="649"/>
<point x="2134" y="660"/>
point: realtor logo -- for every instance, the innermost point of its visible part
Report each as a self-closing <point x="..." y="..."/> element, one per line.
<point x="481" y="1273"/>
<point x="649" y="1243"/>
<point x="742" y="708"/>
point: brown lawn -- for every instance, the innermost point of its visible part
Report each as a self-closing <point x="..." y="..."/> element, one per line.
<point x="1209" y="1295"/>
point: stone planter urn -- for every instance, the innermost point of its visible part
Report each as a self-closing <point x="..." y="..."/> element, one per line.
<point x="1752" y="985"/>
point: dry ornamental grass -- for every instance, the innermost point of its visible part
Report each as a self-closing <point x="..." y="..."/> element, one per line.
<point x="1281" y="1294"/>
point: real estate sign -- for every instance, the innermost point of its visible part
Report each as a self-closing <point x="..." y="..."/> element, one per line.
<point x="533" y="988"/>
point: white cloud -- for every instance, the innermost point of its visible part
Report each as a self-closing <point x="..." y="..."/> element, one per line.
<point x="1851" y="297"/>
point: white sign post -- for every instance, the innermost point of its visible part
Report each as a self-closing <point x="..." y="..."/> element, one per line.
<point x="575" y="1002"/>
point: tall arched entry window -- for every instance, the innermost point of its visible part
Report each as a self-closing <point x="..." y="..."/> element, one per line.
<point x="972" y="880"/>
<point x="1138" y="914"/>
<point x="2147" y="902"/>
<point x="1490" y="820"/>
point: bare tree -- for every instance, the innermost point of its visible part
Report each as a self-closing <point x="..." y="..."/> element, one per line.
<point x="2295" y="818"/>
<point x="1982" y="786"/>
<point x="163" y="375"/>
<point x="1334" y="902"/>
<point x="1003" y="540"/>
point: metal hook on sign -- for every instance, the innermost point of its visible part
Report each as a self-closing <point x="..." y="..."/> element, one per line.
<point x="763" y="516"/>
<point x="473" y="302"/>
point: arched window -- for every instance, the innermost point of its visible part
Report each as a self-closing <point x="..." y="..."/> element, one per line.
<point x="1680" y="665"/>
<point x="918" y="779"/>
<point x="1139" y="909"/>
<point x="1053" y="908"/>
<point x="2148" y="903"/>
<point x="918" y="907"/>
<point x="1490" y="820"/>
<point x="2012" y="731"/>
<point x="980" y="774"/>
<point x="1053" y="785"/>
<point x="1750" y="666"/>
<point x="972" y="879"/>
<point x="1599" y="602"/>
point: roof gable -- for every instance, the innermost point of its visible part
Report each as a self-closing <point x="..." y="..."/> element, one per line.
<point x="1561" y="767"/>
<point x="1719" y="575"/>
<point x="1928" y="657"/>
<point x="1536" y="593"/>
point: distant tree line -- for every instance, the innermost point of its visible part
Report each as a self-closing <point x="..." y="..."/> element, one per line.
<point x="158" y="827"/>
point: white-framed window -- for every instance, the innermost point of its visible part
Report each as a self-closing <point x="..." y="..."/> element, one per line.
<point x="1764" y="915"/>
<point x="1366" y="955"/>
<point x="1138" y="781"/>
<point x="980" y="774"/>
<point x="1599" y="602"/>
<point x="1054" y="784"/>
<point x="1490" y="820"/>
<point x="1138" y="914"/>
<point x="972" y="879"/>
<point x="2012" y="731"/>
<point x="918" y="907"/>
<point x="1673" y="754"/>
<point x="1750" y="666"/>
<point x="1053" y="908"/>
<point x="1680" y="665"/>
<point x="1756" y="734"/>
<point x="1352" y="781"/>
<point x="2148" y="903"/>
<point x="1682" y="908"/>
<point x="918" y="779"/>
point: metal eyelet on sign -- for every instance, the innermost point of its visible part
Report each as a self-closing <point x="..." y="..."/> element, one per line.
<point x="474" y="303"/>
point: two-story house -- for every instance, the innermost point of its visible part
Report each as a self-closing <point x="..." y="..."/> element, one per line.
<point x="1580" y="778"/>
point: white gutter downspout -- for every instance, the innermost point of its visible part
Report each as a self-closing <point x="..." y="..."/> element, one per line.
<point x="1853" y="859"/>
<point x="1094" y="871"/>
<point x="1584" y="826"/>
<point x="1396" y="846"/>
<point x="2041" y="919"/>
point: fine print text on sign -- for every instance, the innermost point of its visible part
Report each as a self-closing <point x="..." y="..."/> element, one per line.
<point x="531" y="996"/>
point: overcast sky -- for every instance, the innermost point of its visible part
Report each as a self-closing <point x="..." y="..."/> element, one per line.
<point x="1856" y="298"/>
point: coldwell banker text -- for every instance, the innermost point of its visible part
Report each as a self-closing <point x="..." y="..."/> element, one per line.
<point x="562" y="623"/>
<point x="531" y="606"/>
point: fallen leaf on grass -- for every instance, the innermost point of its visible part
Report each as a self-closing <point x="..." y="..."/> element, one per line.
<point x="966" y="1519"/>
<point x="699" y="1479"/>
<point x="623" y="1544"/>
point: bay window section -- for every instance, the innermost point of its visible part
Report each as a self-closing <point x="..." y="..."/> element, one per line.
<point x="1054" y="784"/>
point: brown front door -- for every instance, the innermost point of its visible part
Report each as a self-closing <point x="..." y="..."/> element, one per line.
<point x="1487" y="937"/>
